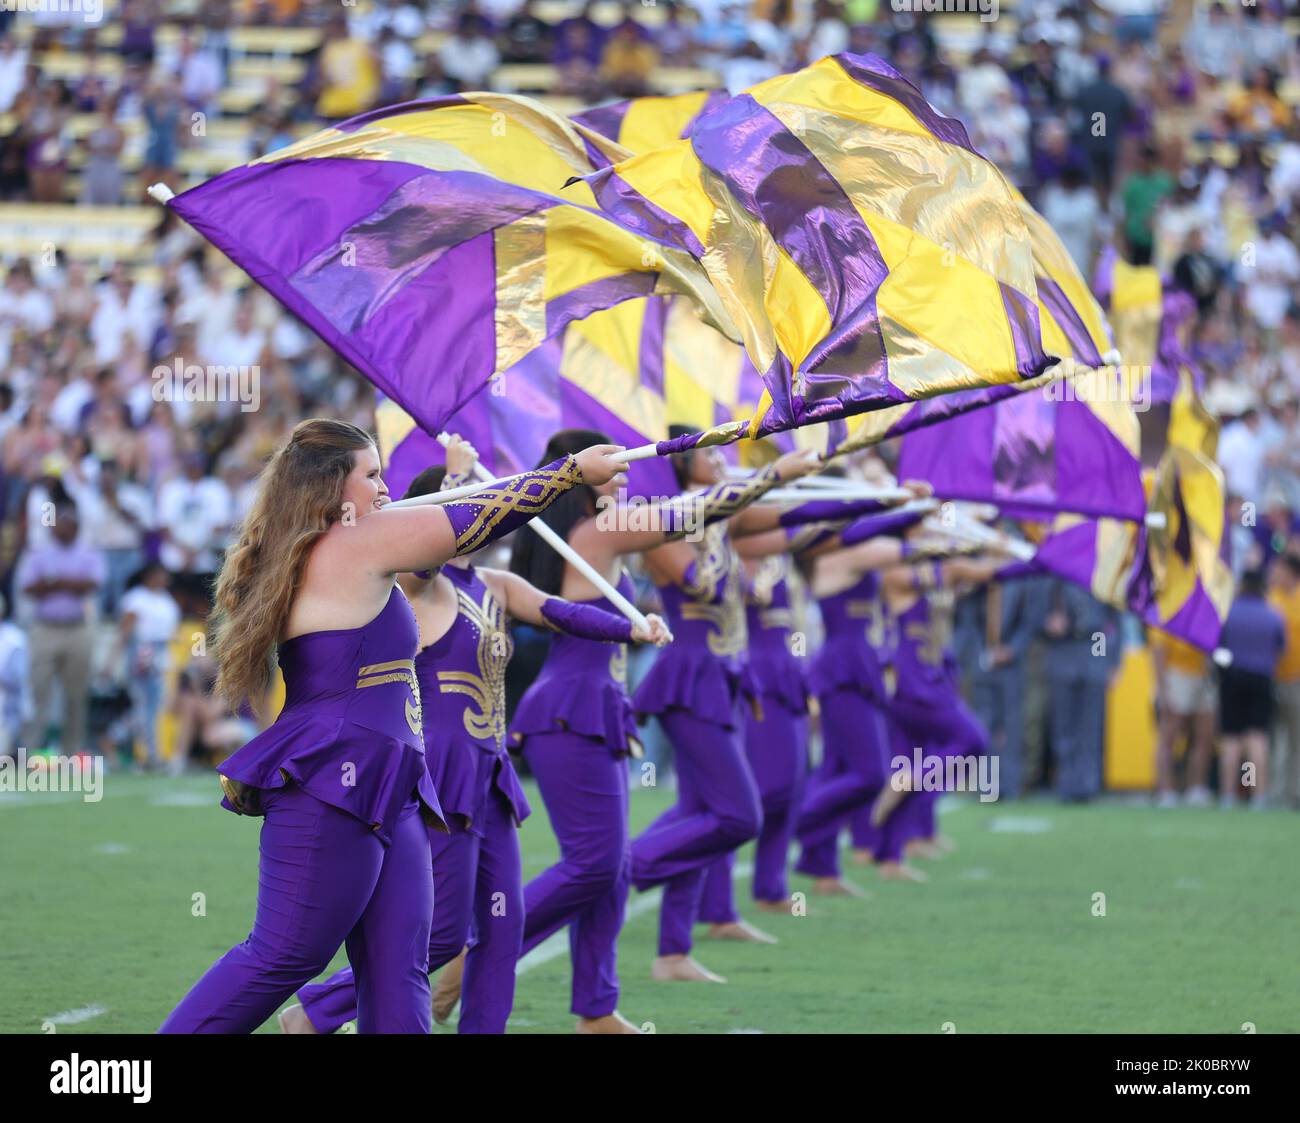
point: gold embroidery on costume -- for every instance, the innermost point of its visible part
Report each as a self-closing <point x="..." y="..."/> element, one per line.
<point x="396" y="670"/>
<point x="929" y="646"/>
<point x="530" y="494"/>
<point x="769" y="574"/>
<point x="874" y="613"/>
<point x="716" y="565"/>
<point x="618" y="664"/>
<point x="485" y="719"/>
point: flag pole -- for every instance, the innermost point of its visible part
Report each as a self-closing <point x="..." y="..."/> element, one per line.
<point x="575" y="559"/>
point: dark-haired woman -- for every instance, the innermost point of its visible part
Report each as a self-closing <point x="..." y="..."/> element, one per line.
<point x="461" y="667"/>
<point x="694" y="691"/>
<point x="340" y="776"/>
<point x="575" y="725"/>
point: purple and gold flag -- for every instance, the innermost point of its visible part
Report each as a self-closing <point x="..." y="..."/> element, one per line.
<point x="429" y="243"/>
<point x="866" y="252"/>
<point x="1172" y="573"/>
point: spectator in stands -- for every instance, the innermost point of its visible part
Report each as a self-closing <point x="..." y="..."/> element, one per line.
<point x="1187" y="705"/>
<point x="469" y="57"/>
<point x="528" y="38"/>
<point x="101" y="177"/>
<point x="1071" y="206"/>
<point x="149" y="621"/>
<point x="1284" y="596"/>
<point x="194" y="514"/>
<point x="348" y="74"/>
<point x="1104" y="112"/>
<point x="13" y="71"/>
<point x="61" y="580"/>
<point x="205" y="726"/>
<point x="162" y="114"/>
<point x="48" y="143"/>
<point x="1197" y="272"/>
<point x="1142" y="193"/>
<point x="628" y="61"/>
<point x="1255" y="637"/>
<point x="1214" y="44"/>
<point x="1257" y="110"/>
<point x="1269" y="279"/>
<point x="117" y="514"/>
<point x="1082" y="655"/>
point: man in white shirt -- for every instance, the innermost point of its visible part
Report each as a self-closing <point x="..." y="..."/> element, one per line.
<point x="194" y="512"/>
<point x="1241" y="455"/>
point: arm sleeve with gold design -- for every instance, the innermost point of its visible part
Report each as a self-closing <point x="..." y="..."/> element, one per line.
<point x="685" y="513"/>
<point x="493" y="513"/>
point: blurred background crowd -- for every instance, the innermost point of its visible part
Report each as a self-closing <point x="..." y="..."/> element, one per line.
<point x="115" y="507"/>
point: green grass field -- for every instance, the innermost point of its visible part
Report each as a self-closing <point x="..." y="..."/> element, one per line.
<point x="1198" y="936"/>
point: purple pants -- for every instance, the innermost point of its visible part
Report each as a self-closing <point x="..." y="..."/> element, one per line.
<point x="584" y="786"/>
<point x="718" y="809"/>
<point x="477" y="882"/>
<point x="777" y="747"/>
<point x="324" y="879"/>
<point x="852" y="772"/>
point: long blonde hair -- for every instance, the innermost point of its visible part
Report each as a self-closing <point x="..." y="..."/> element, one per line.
<point x="299" y="497"/>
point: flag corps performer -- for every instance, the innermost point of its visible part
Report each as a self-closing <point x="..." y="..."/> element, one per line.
<point x="340" y="776"/>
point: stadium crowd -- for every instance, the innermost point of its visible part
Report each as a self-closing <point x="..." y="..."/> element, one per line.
<point x="116" y="500"/>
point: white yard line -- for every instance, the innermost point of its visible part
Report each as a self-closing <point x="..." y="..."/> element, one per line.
<point x="75" y="1017"/>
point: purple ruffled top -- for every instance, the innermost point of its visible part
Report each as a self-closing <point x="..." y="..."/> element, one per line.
<point x="700" y="671"/>
<point x="858" y="641"/>
<point x="462" y="677"/>
<point x="582" y="689"/>
<point x="350" y="730"/>
<point x="773" y="674"/>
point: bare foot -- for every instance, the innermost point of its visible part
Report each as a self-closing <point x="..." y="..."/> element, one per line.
<point x="295" y="1020"/>
<point x="899" y="871"/>
<point x="924" y="848"/>
<point x="447" y="993"/>
<point x="837" y="887"/>
<point x="681" y="969"/>
<point x="740" y="930"/>
<point x="785" y="905"/>
<point x="609" y="1023"/>
<point x="860" y="856"/>
<point x="944" y="843"/>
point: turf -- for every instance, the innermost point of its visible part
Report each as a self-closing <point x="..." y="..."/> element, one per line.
<point x="1201" y="914"/>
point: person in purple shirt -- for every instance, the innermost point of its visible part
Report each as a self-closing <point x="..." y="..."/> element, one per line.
<point x="1255" y="637"/>
<point x="61" y="579"/>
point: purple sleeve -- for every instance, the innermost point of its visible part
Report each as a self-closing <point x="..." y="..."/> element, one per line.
<point x="586" y="621"/>
<point x="493" y="513"/>
<point x="826" y="510"/>
<point x="876" y="526"/>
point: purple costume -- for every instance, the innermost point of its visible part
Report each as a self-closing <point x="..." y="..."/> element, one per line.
<point x="575" y="728"/>
<point x="851" y="695"/>
<point x="476" y="868"/>
<point x="929" y="713"/>
<point x="776" y="740"/>
<point x="341" y="780"/>
<point x="693" y="688"/>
